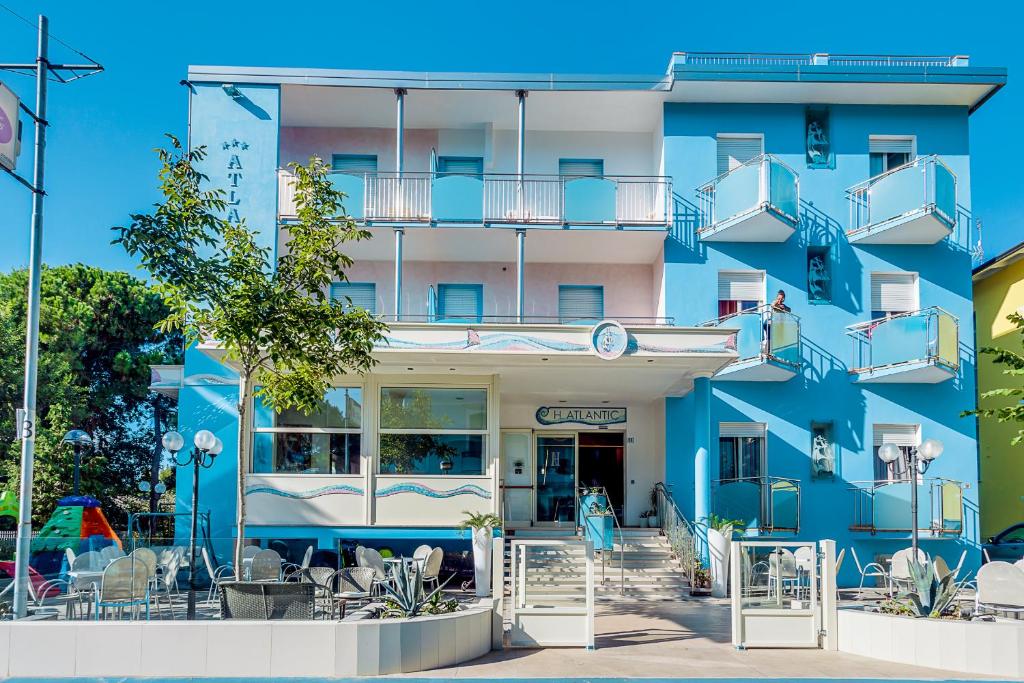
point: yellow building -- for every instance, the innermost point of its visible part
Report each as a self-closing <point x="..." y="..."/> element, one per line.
<point x="998" y="292"/>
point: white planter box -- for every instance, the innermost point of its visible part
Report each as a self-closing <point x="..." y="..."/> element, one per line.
<point x="975" y="647"/>
<point x="253" y="649"/>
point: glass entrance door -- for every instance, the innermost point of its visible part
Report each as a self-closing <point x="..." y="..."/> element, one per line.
<point x="556" y="480"/>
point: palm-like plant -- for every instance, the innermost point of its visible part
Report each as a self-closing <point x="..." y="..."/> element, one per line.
<point x="480" y="520"/>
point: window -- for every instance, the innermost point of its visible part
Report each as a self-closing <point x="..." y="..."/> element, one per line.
<point x="739" y="290"/>
<point x="893" y="293"/>
<point x="354" y="163"/>
<point x="581" y="167"/>
<point x="360" y="294"/>
<point x="460" y="303"/>
<point x="741" y="450"/>
<point x="580" y="304"/>
<point x="819" y="275"/>
<point x="325" y="442"/>
<point x="907" y="437"/>
<point x="886" y="152"/>
<point x="433" y="431"/>
<point x="462" y="165"/>
<point x="736" y="150"/>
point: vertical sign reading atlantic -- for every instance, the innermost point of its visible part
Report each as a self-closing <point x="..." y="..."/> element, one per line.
<point x="234" y="148"/>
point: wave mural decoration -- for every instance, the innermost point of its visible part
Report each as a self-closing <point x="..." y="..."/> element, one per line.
<point x="330" y="490"/>
<point x="499" y="341"/>
<point x="420" y="489"/>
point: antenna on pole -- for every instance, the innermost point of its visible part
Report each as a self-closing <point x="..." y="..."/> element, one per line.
<point x="44" y="70"/>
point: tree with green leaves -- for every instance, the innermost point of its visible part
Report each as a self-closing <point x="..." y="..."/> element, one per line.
<point x="1014" y="369"/>
<point x="274" y="318"/>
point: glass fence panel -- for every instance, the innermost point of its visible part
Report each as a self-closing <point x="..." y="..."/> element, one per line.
<point x="776" y="577"/>
<point x="458" y="198"/>
<point x="899" y="340"/>
<point x="785" y="505"/>
<point x="945" y="192"/>
<point x="896" y="193"/>
<point x="784" y="340"/>
<point x="948" y="350"/>
<point x="748" y="339"/>
<point x="892" y="506"/>
<point x="783" y="189"/>
<point x="740" y="500"/>
<point x="737" y="192"/>
<point x="589" y="200"/>
<point x="353" y="186"/>
<point x="951" y="498"/>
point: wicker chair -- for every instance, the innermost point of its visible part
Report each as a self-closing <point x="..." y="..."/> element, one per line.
<point x="354" y="585"/>
<point x="323" y="579"/>
<point x="261" y="601"/>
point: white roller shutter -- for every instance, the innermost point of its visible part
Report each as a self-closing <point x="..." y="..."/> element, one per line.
<point x="741" y="429"/>
<point x="581" y="167"/>
<point x="894" y="292"/>
<point x="879" y="145"/>
<point x="736" y="150"/>
<point x="741" y="285"/>
<point x="901" y="435"/>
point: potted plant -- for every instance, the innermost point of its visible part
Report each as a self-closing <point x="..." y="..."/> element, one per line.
<point x="720" y="531"/>
<point x="652" y="516"/>
<point x="599" y="524"/>
<point x="701" y="584"/>
<point x="483" y="525"/>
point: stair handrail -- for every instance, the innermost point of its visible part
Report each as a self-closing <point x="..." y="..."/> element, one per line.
<point x="618" y="529"/>
<point x="680" y="532"/>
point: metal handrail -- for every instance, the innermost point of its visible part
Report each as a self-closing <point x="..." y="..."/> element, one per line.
<point x="822" y="59"/>
<point x="763" y="308"/>
<point x="919" y="161"/>
<point x="764" y="484"/>
<point x="868" y="488"/>
<point x="532" y="319"/>
<point x="862" y="340"/>
<point x="751" y="162"/>
<point x="684" y="544"/>
<point x="618" y="528"/>
<point x="874" y="322"/>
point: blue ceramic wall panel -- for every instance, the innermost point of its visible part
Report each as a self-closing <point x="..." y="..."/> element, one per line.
<point x="824" y="392"/>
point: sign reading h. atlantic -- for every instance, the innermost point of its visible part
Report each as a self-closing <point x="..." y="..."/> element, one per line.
<point x="10" y="137"/>
<point x="554" y="415"/>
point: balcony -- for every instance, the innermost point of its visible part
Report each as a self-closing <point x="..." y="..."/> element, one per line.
<point x="766" y="505"/>
<point x="167" y="379"/>
<point x="451" y="199"/>
<point x="767" y="344"/>
<point x="755" y="202"/>
<point x="921" y="347"/>
<point x="884" y="507"/>
<point x="912" y="204"/>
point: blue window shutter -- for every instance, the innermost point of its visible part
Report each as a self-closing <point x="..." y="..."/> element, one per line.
<point x="354" y="163"/>
<point x="580" y="303"/>
<point x="361" y="294"/>
<point x="460" y="303"/>
<point x="581" y="167"/>
<point x="461" y="165"/>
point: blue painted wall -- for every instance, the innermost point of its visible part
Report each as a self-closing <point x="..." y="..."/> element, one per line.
<point x="823" y="391"/>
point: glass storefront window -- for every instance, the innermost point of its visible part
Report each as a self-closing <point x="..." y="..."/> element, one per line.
<point x="327" y="441"/>
<point x="342" y="408"/>
<point x="433" y="431"/>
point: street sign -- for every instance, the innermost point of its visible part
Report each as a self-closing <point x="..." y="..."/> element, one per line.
<point x="10" y="128"/>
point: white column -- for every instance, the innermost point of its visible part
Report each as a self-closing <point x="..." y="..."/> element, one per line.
<point x="399" y="238"/>
<point x="520" y="274"/>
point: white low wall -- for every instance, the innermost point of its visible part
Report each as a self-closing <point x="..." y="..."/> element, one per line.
<point x="243" y="649"/>
<point x="975" y="647"/>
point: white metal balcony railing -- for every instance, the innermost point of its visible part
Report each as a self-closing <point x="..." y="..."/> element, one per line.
<point x="817" y="59"/>
<point x="498" y="198"/>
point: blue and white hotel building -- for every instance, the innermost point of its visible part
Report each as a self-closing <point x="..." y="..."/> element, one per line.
<point x="578" y="274"/>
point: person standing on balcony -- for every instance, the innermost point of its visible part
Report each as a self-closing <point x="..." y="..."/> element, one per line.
<point x="766" y="322"/>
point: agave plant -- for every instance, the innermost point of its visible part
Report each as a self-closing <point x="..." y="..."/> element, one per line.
<point x="930" y="596"/>
<point x="406" y="596"/>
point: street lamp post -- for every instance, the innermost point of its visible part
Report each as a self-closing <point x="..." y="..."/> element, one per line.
<point x="78" y="440"/>
<point x="920" y="458"/>
<point x="207" y="447"/>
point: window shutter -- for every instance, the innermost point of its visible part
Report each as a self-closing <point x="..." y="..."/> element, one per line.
<point x="891" y="146"/>
<point x="741" y="285"/>
<point x="894" y="292"/>
<point x="735" y="151"/>
<point x="460" y="302"/>
<point x="581" y="167"/>
<point x="463" y="165"/>
<point x="901" y="435"/>
<point x="740" y="429"/>
<point x="579" y="303"/>
<point x="362" y="294"/>
<point x="354" y="163"/>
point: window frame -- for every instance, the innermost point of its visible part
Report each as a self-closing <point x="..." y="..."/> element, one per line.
<point x="763" y="460"/>
<point x="916" y="306"/>
<point x="442" y="317"/>
<point x="889" y="137"/>
<point x="346" y="283"/>
<point x="335" y="156"/>
<point x="736" y="136"/>
<point x="889" y="467"/>
<point x="562" y="319"/>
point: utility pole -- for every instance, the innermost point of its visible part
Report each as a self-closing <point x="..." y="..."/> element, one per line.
<point x="43" y="69"/>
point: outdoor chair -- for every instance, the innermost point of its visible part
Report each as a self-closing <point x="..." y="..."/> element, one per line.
<point x="249" y="551"/>
<point x="1000" y="588"/>
<point x="782" y="571"/>
<point x="148" y="558"/>
<point x="839" y="561"/>
<point x="59" y="591"/>
<point x="261" y="601"/>
<point x="1019" y="564"/>
<point x="354" y="585"/>
<point x="111" y="552"/>
<point x="218" y="575"/>
<point x="899" y="568"/>
<point x="266" y="566"/>
<point x="872" y="570"/>
<point x="323" y="579"/>
<point x="169" y="563"/>
<point x="432" y="567"/>
<point x="91" y="561"/>
<point x="372" y="559"/>
<point x="70" y="555"/>
<point x="125" y="583"/>
<point x="420" y="554"/>
<point x="292" y="568"/>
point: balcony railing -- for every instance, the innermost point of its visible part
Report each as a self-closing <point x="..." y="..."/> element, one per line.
<point x="817" y="59"/>
<point x="651" y="321"/>
<point x="912" y="204"/>
<point x="497" y="199"/>
<point x="925" y="340"/>
<point x="767" y="504"/>
<point x="765" y="335"/>
<point x="757" y="201"/>
<point x="884" y="506"/>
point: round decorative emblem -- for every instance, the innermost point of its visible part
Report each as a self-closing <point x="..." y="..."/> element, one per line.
<point x="609" y="339"/>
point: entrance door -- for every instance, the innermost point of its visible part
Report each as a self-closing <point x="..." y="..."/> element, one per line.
<point x="602" y="463"/>
<point x="556" y="480"/>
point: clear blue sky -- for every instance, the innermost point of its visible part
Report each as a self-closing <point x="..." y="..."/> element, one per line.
<point x="100" y="166"/>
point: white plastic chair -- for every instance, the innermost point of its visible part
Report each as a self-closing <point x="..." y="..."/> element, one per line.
<point x="420" y="554"/>
<point x="147" y="557"/>
<point x="125" y="583"/>
<point x="869" y="570"/>
<point x="782" y="569"/>
<point x="292" y="568"/>
<point x="266" y="566"/>
<point x="70" y="555"/>
<point x="372" y="559"/>
<point x="218" y="575"/>
<point x="1000" y="588"/>
<point x="111" y="552"/>
<point x="899" y="567"/>
<point x="1019" y="564"/>
<point x="432" y="566"/>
